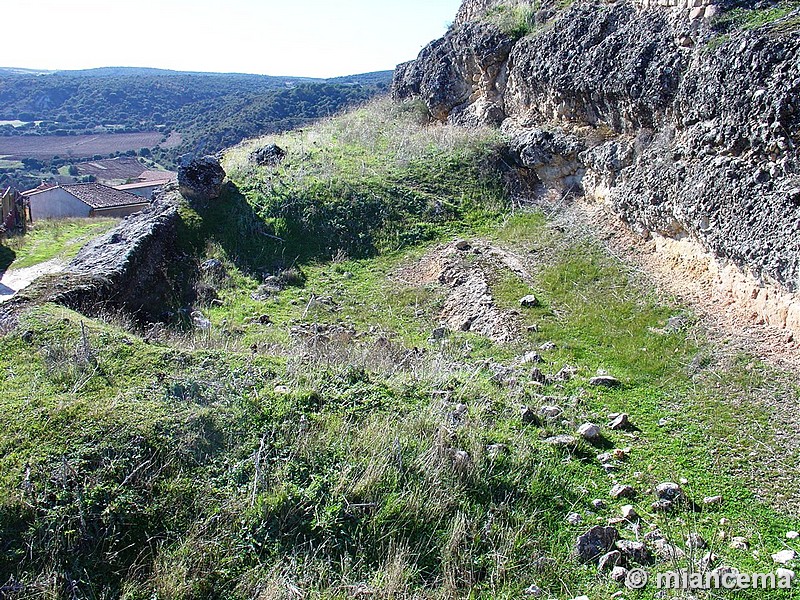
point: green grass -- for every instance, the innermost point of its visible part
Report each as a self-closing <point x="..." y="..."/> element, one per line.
<point x="746" y="19"/>
<point x="370" y="181"/>
<point x="324" y="450"/>
<point x="11" y="164"/>
<point x="515" y="21"/>
<point x="62" y="239"/>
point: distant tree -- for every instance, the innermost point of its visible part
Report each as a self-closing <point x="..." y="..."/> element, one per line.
<point x="73" y="170"/>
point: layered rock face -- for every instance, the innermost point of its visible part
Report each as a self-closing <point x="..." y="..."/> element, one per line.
<point x="684" y="132"/>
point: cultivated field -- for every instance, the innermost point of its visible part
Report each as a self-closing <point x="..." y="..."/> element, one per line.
<point x="79" y="146"/>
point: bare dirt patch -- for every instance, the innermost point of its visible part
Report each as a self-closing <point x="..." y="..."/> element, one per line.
<point x="77" y="146"/>
<point x="467" y="269"/>
<point x="17" y="279"/>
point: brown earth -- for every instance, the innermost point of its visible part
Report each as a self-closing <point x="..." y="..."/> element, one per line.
<point x="77" y="146"/>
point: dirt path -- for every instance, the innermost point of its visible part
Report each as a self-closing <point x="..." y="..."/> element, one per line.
<point x="14" y="280"/>
<point x="466" y="270"/>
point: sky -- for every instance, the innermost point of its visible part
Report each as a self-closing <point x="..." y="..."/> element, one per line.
<point x="310" y="38"/>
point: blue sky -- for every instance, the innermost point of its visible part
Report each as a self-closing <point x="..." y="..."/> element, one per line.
<point x="315" y="38"/>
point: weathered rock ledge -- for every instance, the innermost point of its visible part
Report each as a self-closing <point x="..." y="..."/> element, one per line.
<point x="645" y="106"/>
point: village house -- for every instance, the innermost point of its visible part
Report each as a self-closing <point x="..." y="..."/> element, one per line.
<point x="148" y="183"/>
<point x="83" y="200"/>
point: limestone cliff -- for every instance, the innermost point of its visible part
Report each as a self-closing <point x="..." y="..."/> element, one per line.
<point x="686" y="129"/>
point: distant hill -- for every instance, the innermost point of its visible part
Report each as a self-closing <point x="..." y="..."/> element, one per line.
<point x="210" y="111"/>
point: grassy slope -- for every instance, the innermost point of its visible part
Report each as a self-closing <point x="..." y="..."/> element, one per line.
<point x="54" y="239"/>
<point x="248" y="461"/>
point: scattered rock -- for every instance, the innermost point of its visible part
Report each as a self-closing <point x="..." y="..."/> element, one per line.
<point x="784" y="557"/>
<point x="669" y="491"/>
<point x="529" y="416"/>
<point x="566" y="373"/>
<point x="496" y="450"/>
<point x="531" y="358"/>
<point x="551" y="412"/>
<point x="537" y="376"/>
<point x="439" y="333"/>
<point x="594" y="543"/>
<point x="712" y="500"/>
<point x="662" y="505"/>
<point x="609" y="560"/>
<point x="560" y="441"/>
<point x="739" y="543"/>
<point x="635" y="552"/>
<point x="724" y="570"/>
<point x="461" y="460"/>
<point x="695" y="541"/>
<point x="598" y="504"/>
<point x="213" y="267"/>
<point x="589" y="431"/>
<point x="792" y="535"/>
<point x="200" y="321"/>
<point x="529" y="301"/>
<point x="619" y="574"/>
<point x="459" y="411"/>
<point x="533" y="590"/>
<point x="268" y="156"/>
<point x="676" y="323"/>
<point x="548" y="346"/>
<point x="620" y="422"/>
<point x="629" y="512"/>
<point x="666" y="550"/>
<point x="201" y="180"/>
<point x="605" y="458"/>
<point x="463" y="245"/>
<point x="707" y="560"/>
<point x="622" y="491"/>
<point x="574" y="518"/>
<point x="605" y="381"/>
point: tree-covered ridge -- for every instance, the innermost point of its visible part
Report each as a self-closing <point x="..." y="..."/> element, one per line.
<point x="210" y="111"/>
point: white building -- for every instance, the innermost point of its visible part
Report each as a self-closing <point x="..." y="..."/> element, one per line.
<point x="83" y="200"/>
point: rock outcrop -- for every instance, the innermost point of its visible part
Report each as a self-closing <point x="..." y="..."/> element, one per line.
<point x="646" y="106"/>
<point x="136" y="267"/>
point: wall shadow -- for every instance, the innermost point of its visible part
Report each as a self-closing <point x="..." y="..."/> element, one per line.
<point x="7" y="256"/>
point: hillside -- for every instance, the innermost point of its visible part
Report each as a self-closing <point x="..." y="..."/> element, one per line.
<point x="411" y="352"/>
<point x="205" y="112"/>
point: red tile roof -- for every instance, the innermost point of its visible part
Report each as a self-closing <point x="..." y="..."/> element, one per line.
<point x="98" y="195"/>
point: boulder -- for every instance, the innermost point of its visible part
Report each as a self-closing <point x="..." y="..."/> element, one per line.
<point x="669" y="491"/>
<point x="201" y="179"/>
<point x="596" y="542"/>
<point x="635" y="552"/>
<point x="270" y="155"/>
